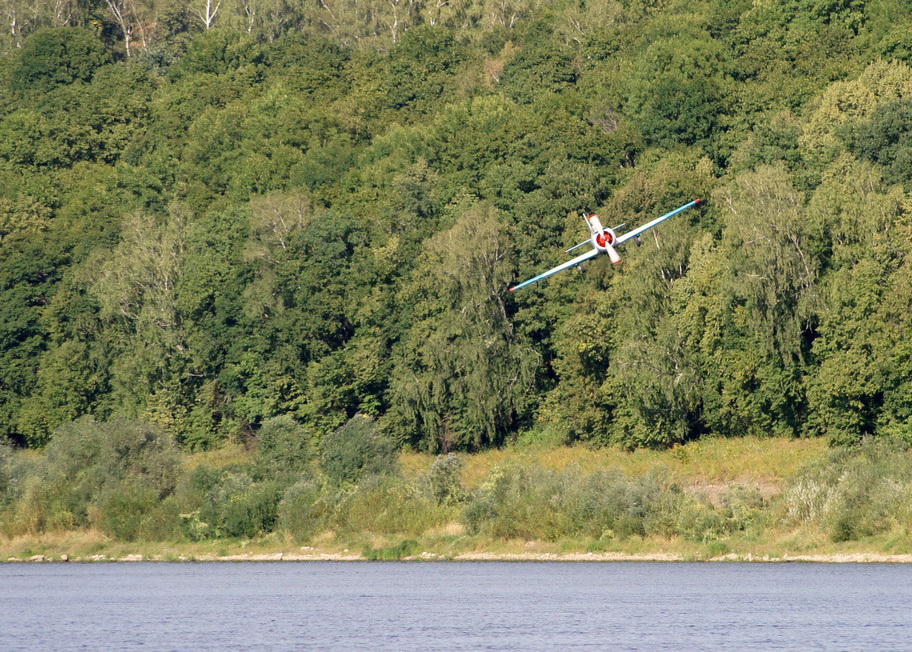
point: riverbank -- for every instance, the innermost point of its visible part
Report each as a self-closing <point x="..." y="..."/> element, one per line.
<point x="714" y="500"/>
<point x="850" y="558"/>
<point x="92" y="546"/>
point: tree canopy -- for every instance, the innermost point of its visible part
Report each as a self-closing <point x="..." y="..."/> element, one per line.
<point x="254" y="219"/>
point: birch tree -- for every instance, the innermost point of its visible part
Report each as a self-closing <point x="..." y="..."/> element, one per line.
<point x="208" y="11"/>
<point x="123" y="16"/>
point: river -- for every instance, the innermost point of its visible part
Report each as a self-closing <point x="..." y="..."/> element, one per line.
<point x="455" y="606"/>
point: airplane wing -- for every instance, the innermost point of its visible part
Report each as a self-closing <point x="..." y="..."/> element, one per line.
<point x="570" y="263"/>
<point x="595" y="252"/>
<point x="637" y="231"/>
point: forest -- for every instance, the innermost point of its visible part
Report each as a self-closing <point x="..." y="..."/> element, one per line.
<point x="291" y="226"/>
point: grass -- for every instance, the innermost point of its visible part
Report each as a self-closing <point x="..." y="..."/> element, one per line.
<point x="220" y="457"/>
<point x="708" y="461"/>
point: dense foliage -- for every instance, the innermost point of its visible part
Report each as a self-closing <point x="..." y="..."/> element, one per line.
<point x="260" y="220"/>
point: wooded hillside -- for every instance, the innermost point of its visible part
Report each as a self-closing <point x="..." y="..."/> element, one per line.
<point x="218" y="213"/>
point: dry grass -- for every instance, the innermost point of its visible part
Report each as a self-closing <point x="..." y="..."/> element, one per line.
<point x="451" y="529"/>
<point x="769" y="460"/>
<point x="219" y="457"/>
<point x="53" y="544"/>
<point x="709" y="461"/>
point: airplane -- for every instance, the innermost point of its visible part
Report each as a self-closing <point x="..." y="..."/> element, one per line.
<point x="603" y="241"/>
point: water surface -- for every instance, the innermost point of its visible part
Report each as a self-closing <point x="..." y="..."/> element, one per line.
<point x="455" y="606"/>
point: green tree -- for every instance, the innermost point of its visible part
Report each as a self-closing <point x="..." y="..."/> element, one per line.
<point x="678" y="91"/>
<point x="858" y="350"/>
<point x="30" y="271"/>
<point x="540" y="68"/>
<point x="137" y="294"/>
<point x="885" y="137"/>
<point x="626" y="372"/>
<point x="462" y="378"/>
<point x="56" y="57"/>
<point x="420" y="66"/>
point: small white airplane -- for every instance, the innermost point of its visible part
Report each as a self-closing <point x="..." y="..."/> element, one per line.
<point x="603" y="241"/>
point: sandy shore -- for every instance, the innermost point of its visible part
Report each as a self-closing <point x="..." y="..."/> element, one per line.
<point x="847" y="558"/>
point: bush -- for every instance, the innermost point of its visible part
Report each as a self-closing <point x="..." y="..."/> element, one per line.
<point x="118" y="450"/>
<point x="443" y="479"/>
<point x="237" y="506"/>
<point x="855" y="493"/>
<point x="284" y="446"/>
<point x="90" y="467"/>
<point x="6" y="474"/>
<point x="191" y="498"/>
<point x="304" y="510"/>
<point x="518" y="503"/>
<point x="356" y="450"/>
<point x="535" y="503"/>
<point x="15" y="471"/>
<point x="609" y="502"/>
<point x="407" y="548"/>
<point x="123" y="509"/>
<point x="699" y="521"/>
<point x="388" y="505"/>
<point x="744" y="508"/>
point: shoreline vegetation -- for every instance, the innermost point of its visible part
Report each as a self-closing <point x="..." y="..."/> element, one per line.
<point x="735" y="500"/>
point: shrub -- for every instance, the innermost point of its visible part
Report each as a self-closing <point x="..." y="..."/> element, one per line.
<point x="238" y="506"/>
<point x="744" y="507"/>
<point x="699" y="521"/>
<point x="123" y="508"/>
<point x="6" y="474"/>
<point x="518" y="503"/>
<point x="611" y="502"/>
<point x="407" y="548"/>
<point x="443" y="479"/>
<point x="90" y="467"/>
<point x="356" y="450"/>
<point x="388" y="505"/>
<point x="284" y="446"/>
<point x="15" y="471"/>
<point x="192" y="498"/>
<point x="856" y="492"/>
<point x="535" y="503"/>
<point x="304" y="510"/>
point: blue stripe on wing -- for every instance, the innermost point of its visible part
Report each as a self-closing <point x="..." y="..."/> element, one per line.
<point x="632" y="234"/>
<point x="570" y="263"/>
